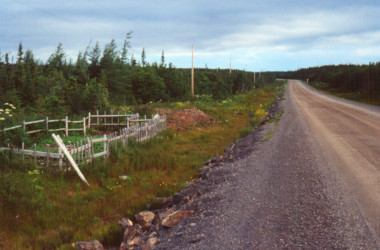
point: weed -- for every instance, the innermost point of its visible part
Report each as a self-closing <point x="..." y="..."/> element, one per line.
<point x="266" y="138"/>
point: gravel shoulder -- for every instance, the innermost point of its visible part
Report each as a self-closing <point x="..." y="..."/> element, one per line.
<point x="275" y="188"/>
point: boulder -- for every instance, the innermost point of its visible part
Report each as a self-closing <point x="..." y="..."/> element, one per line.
<point x="92" y="245"/>
<point x="144" y="217"/>
<point x="124" y="223"/>
<point x="149" y="244"/>
<point x="173" y="219"/>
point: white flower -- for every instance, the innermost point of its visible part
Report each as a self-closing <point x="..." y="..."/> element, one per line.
<point x="6" y="103"/>
<point x="6" y="112"/>
<point x="2" y="118"/>
<point x="10" y="115"/>
<point x="1" y="110"/>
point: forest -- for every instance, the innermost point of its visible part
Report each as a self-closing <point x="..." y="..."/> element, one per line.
<point x="102" y="78"/>
<point x="358" y="82"/>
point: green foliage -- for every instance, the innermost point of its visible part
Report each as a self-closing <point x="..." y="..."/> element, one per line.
<point x="357" y="82"/>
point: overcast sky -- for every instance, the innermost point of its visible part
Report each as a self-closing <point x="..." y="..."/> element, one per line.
<point x="257" y="35"/>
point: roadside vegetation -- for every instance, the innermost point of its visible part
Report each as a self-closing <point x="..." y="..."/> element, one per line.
<point x="44" y="210"/>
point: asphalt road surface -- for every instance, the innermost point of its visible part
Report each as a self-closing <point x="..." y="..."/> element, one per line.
<point x="310" y="181"/>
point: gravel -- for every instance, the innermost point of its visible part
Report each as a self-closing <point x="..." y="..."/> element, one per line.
<point x="269" y="194"/>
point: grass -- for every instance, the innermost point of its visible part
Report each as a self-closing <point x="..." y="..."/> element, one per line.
<point x="42" y="210"/>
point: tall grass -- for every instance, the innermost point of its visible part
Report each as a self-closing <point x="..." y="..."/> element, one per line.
<point x="42" y="210"/>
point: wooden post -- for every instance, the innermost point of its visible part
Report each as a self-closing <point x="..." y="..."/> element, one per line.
<point x="97" y="119"/>
<point x="23" y="152"/>
<point x="23" y="126"/>
<point x="35" y="152"/>
<point x="111" y="117"/>
<point x="192" y="72"/>
<point x="67" y="126"/>
<point x="82" y="149"/>
<point x="48" y="155"/>
<point x="89" y="149"/>
<point x="127" y="122"/>
<point x="118" y="118"/>
<point x="84" y="126"/>
<point x="105" y="119"/>
<point x="58" y="140"/>
<point x="47" y="124"/>
<point x="60" y="158"/>
<point x="254" y="77"/>
<point x="89" y="120"/>
<point x="78" y="152"/>
<point x="105" y="145"/>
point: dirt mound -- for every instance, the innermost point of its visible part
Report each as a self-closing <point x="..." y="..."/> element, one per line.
<point x="181" y="120"/>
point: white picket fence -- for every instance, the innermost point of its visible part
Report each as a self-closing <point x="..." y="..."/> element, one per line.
<point x="85" y="151"/>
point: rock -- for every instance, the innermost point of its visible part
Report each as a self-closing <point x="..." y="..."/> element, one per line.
<point x="166" y="213"/>
<point x="149" y="244"/>
<point x="161" y="200"/>
<point x="124" y="223"/>
<point x="197" y="238"/>
<point x="129" y="234"/>
<point x="144" y="218"/>
<point x="152" y="235"/>
<point x="173" y="219"/>
<point x="134" y="242"/>
<point x="92" y="245"/>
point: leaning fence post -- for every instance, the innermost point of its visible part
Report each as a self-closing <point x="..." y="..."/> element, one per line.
<point x="60" y="158"/>
<point x="67" y="126"/>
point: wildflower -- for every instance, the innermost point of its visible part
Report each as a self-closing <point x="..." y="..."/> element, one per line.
<point x="6" y="112"/>
<point x="10" y="115"/>
<point x="6" y="103"/>
<point x="1" y="110"/>
<point x="2" y="118"/>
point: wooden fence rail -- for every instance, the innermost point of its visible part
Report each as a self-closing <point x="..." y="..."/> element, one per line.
<point x="85" y="151"/>
<point x="101" y="120"/>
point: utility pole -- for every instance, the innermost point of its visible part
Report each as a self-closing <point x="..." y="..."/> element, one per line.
<point x="254" y="77"/>
<point x="192" y="72"/>
<point x="230" y="65"/>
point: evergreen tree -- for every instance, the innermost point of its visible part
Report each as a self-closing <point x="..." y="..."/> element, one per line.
<point x="58" y="59"/>
<point x="19" y="73"/>
<point x="143" y="57"/>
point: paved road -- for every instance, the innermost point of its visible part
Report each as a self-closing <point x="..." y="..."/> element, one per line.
<point x="314" y="184"/>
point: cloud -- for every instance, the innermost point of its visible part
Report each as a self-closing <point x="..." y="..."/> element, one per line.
<point x="270" y="32"/>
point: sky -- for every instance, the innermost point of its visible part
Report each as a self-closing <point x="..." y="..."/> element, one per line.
<point x="266" y="35"/>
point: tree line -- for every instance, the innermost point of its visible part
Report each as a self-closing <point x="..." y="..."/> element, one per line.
<point x="100" y="78"/>
<point x="358" y="81"/>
